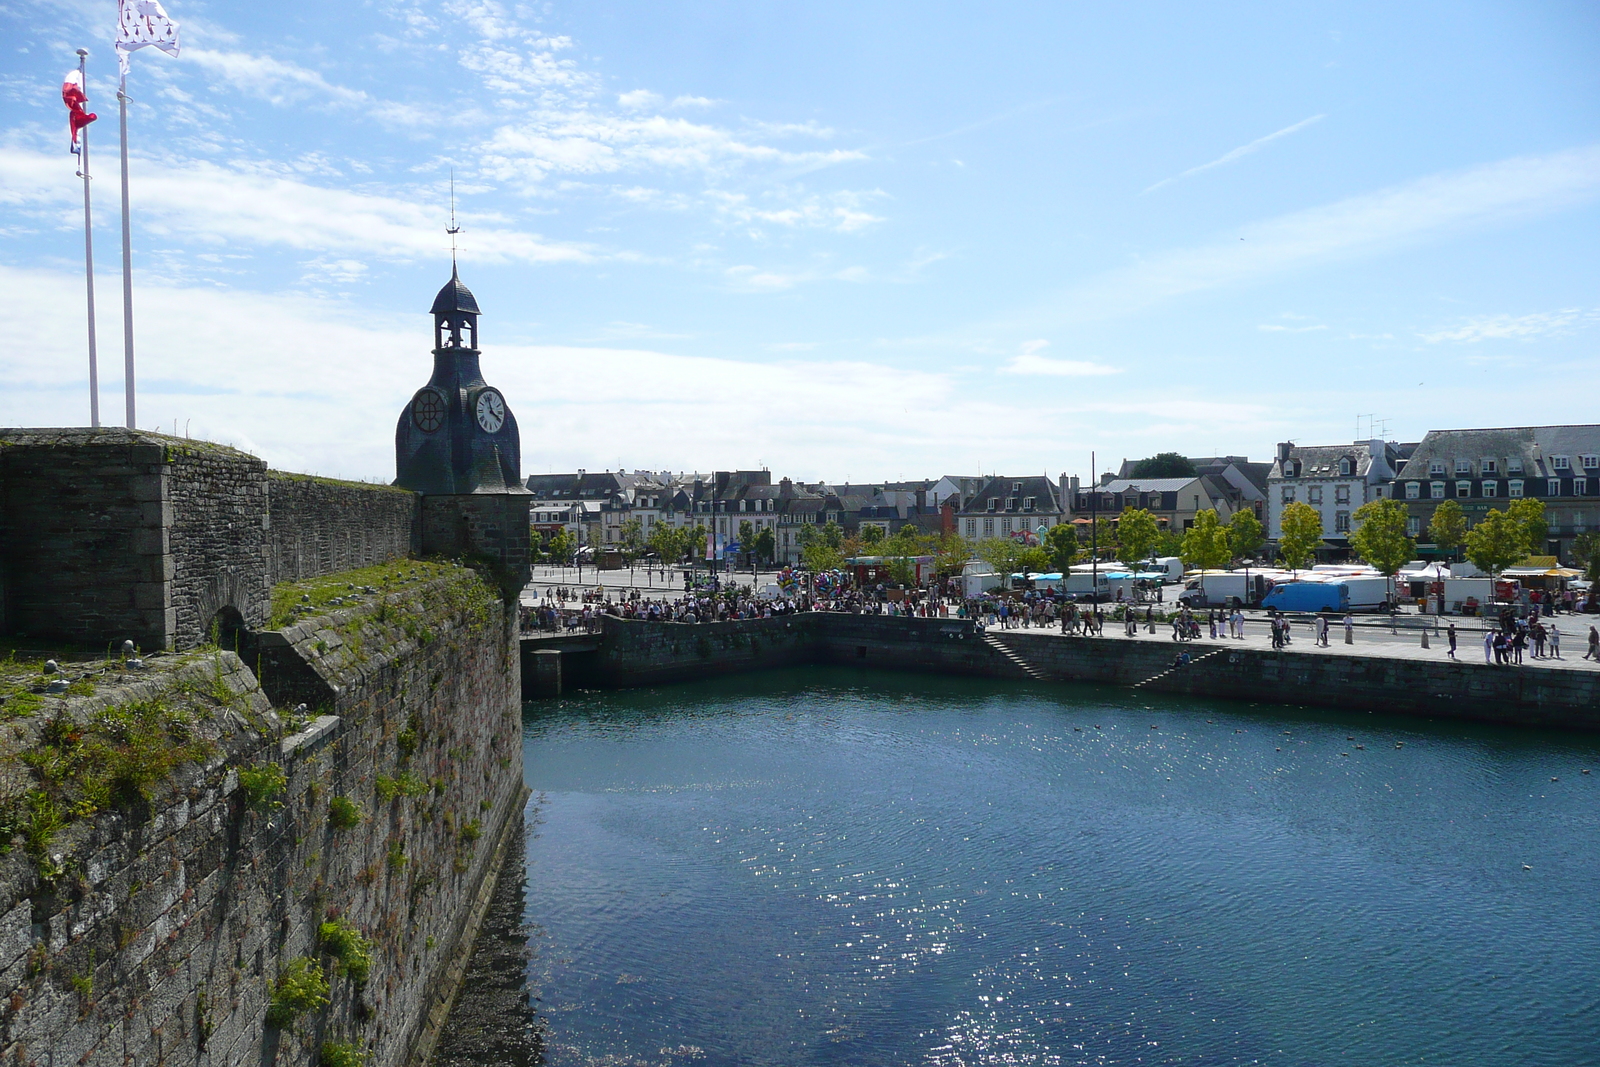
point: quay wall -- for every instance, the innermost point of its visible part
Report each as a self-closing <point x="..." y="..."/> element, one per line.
<point x="631" y="653"/>
<point x="154" y="930"/>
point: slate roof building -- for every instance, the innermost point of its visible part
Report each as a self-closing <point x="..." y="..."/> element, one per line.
<point x="1173" y="501"/>
<point x="1008" y="506"/>
<point x="1334" y="479"/>
<point x="1488" y="468"/>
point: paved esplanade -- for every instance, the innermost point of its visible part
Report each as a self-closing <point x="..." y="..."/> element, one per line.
<point x="1373" y="633"/>
<point x="1372" y="637"/>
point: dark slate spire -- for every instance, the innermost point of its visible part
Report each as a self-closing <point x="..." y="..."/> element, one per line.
<point x="455" y="297"/>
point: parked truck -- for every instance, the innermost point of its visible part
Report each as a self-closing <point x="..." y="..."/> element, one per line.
<point x="1213" y="589"/>
<point x="1340" y="595"/>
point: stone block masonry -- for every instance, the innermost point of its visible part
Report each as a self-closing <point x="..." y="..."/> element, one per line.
<point x="115" y="534"/>
<point x="319" y="526"/>
<point x="156" y="931"/>
<point x="635" y="653"/>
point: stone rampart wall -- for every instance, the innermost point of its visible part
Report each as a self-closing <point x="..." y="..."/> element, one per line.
<point x="320" y="526"/>
<point x="215" y="522"/>
<point x="153" y="933"/>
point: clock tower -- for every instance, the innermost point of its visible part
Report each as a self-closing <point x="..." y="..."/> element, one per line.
<point x="457" y="436"/>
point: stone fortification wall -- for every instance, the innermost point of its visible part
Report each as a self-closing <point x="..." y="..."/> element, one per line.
<point x="160" y="930"/>
<point x="632" y="653"/>
<point x="109" y="534"/>
<point x="112" y="534"/>
<point x="214" y="516"/>
<point x="320" y="526"/>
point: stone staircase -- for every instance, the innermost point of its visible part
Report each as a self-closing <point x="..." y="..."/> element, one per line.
<point x="1169" y="670"/>
<point x="1011" y="654"/>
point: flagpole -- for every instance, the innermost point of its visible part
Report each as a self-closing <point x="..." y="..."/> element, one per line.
<point x="127" y="258"/>
<point x="88" y="249"/>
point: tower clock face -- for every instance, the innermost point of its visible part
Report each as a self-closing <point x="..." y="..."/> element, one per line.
<point x="427" y="410"/>
<point x="491" y="411"/>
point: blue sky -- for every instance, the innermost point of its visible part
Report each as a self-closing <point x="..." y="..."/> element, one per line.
<point x="843" y="240"/>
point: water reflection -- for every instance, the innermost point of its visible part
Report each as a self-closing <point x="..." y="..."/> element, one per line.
<point x="850" y="867"/>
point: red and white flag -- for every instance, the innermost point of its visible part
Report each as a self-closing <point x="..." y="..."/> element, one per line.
<point x="72" y="94"/>
<point x="141" y="23"/>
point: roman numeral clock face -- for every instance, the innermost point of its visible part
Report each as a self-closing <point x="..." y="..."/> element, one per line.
<point x="491" y="411"/>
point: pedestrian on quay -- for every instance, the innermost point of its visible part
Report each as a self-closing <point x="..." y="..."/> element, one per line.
<point x="1322" y="630"/>
<point x="1349" y="628"/>
<point x="1555" y="641"/>
<point x="1594" y="645"/>
<point x="1452" y="635"/>
<point x="1488" y="647"/>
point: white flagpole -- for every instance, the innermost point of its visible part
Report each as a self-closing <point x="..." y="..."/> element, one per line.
<point x="127" y="257"/>
<point x="88" y="248"/>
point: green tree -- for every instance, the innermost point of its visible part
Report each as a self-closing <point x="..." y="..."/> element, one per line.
<point x="1245" y="534"/>
<point x="1163" y="465"/>
<point x="1529" y="514"/>
<point x="951" y="553"/>
<point x="1498" y="541"/>
<point x="632" y="541"/>
<point x="1033" y="560"/>
<point x="1001" y="553"/>
<point x="1205" y="544"/>
<point x="1062" y="544"/>
<point x="1098" y="536"/>
<point x="562" y="546"/>
<point x="819" y="556"/>
<point x="1380" y="537"/>
<point x="1448" y="527"/>
<point x="747" y="536"/>
<point x="1586" y="554"/>
<point x="766" y="544"/>
<point x="870" y="535"/>
<point x="1170" y="543"/>
<point x="832" y="535"/>
<point x="1302" y="534"/>
<point x="666" y="543"/>
<point x="1137" y="532"/>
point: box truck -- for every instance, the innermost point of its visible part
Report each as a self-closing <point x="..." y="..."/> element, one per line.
<point x="1340" y="594"/>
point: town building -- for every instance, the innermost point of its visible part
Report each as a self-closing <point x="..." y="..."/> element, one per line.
<point x="1173" y="501"/>
<point x="1014" y="506"/>
<point x="1334" y="479"/>
<point x="1489" y="468"/>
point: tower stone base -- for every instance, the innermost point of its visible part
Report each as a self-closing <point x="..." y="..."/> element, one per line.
<point x="490" y="526"/>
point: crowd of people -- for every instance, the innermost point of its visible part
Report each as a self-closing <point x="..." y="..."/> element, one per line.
<point x="570" y="610"/>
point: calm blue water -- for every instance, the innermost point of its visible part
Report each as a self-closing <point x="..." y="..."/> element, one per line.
<point x="847" y="867"/>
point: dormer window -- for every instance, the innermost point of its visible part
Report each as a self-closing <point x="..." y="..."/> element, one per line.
<point x="1463" y="466"/>
<point x="1514" y="465"/>
<point x="1559" y="463"/>
<point x="1016" y="487"/>
<point x="993" y="504"/>
<point x="1027" y="503"/>
<point x="1344" y="467"/>
<point x="1590" y="462"/>
<point x="1011" y="503"/>
<point x="1490" y="466"/>
<point x="1436" y="467"/>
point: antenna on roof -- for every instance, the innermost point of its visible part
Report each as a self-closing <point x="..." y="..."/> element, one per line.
<point x="454" y="229"/>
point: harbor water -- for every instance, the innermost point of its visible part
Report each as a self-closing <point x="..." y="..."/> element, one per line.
<point x="851" y="867"/>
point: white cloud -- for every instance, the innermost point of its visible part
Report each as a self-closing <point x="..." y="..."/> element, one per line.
<point x="1029" y="361"/>
<point x="1273" y="327"/>
<point x="1242" y="150"/>
<point x="280" y="82"/>
<point x="1357" y="226"/>
<point x="1517" y="327"/>
<point x="693" y="101"/>
<point x="220" y="205"/>
<point x="639" y="99"/>
<point x="841" y="211"/>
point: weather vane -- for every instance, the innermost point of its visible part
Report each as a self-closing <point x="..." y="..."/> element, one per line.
<point x="454" y="229"/>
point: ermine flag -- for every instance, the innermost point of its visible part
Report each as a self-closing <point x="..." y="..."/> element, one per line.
<point x="141" y="23"/>
<point x="75" y="98"/>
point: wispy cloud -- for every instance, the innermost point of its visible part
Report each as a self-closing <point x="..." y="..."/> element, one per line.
<point x="280" y="83"/>
<point x="221" y="205"/>
<point x="1029" y="361"/>
<point x="1238" y="153"/>
<point x="1517" y="327"/>
<point x="1357" y="226"/>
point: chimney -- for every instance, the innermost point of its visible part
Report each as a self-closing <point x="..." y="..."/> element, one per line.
<point x="1284" y="447"/>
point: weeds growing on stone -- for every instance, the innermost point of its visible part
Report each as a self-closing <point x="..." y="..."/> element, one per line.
<point x="262" y="784"/>
<point x="344" y="813"/>
<point x="351" y="952"/>
<point x="301" y="987"/>
<point x="340" y="1054"/>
